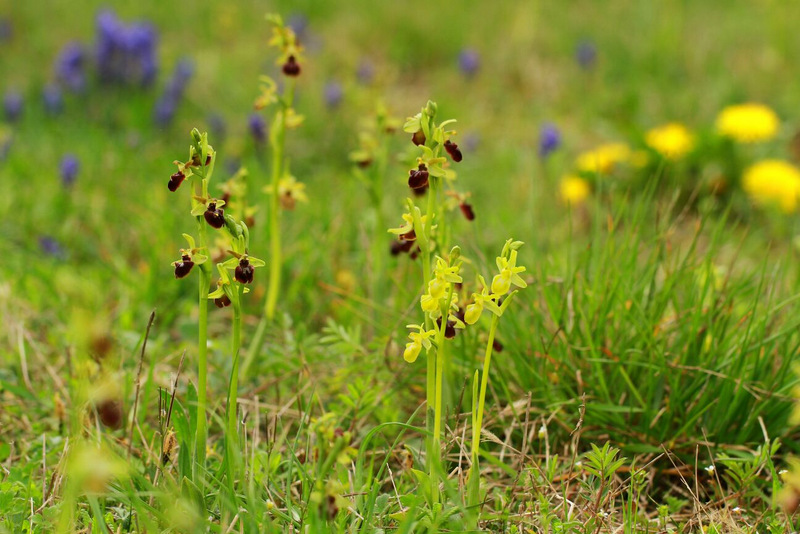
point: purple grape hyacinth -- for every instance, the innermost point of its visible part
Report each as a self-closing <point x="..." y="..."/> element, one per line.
<point x="167" y="104"/>
<point x="469" y="61"/>
<point x="50" y="247"/>
<point x="71" y="67"/>
<point x="125" y="54"/>
<point x="298" y="22"/>
<point x="549" y="140"/>
<point x="333" y="94"/>
<point x="69" y="168"/>
<point x="6" y="30"/>
<point x="257" y="127"/>
<point x="365" y="72"/>
<point x="13" y="104"/>
<point x="52" y="99"/>
<point x="586" y="54"/>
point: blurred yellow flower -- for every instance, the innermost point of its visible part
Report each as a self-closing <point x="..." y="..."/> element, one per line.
<point x="290" y="191"/>
<point x="748" y="123"/>
<point x="573" y="189"/>
<point x="672" y="140"/>
<point x="773" y="182"/>
<point x="604" y="158"/>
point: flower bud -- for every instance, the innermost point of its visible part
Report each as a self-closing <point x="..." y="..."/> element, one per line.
<point x="431" y="108"/>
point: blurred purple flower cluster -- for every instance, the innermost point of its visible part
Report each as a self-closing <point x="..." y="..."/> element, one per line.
<point x="13" y="104"/>
<point x="71" y="67"/>
<point x="173" y="93"/>
<point x="549" y="139"/>
<point x="332" y="93"/>
<point x="125" y="54"/>
<point x="257" y="127"/>
<point x="68" y="169"/>
<point x="469" y="61"/>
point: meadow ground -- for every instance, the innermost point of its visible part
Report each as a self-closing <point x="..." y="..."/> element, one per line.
<point x="637" y="376"/>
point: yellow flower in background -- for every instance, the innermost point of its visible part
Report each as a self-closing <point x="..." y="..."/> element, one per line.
<point x="672" y="140"/>
<point x="573" y="189"/>
<point x="604" y="158"/>
<point x="748" y="123"/>
<point x="773" y="182"/>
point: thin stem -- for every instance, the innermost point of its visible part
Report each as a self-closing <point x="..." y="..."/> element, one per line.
<point x="441" y="356"/>
<point x="232" y="437"/>
<point x="202" y="356"/>
<point x="431" y="444"/>
<point x="274" y="222"/>
<point x="278" y="143"/>
<point x="487" y="362"/>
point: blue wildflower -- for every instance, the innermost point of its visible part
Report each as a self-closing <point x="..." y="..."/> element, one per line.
<point x="70" y="67"/>
<point x="469" y="61"/>
<point x="471" y="141"/>
<point x="298" y="22"/>
<point x="52" y="99"/>
<point x="217" y="127"/>
<point x="168" y="102"/>
<point x="586" y="54"/>
<point x="257" y="127"/>
<point x="12" y="105"/>
<point x="51" y="247"/>
<point x="69" y="169"/>
<point x="365" y="72"/>
<point x="125" y="54"/>
<point x="333" y="94"/>
<point x="549" y="139"/>
<point x="6" y="30"/>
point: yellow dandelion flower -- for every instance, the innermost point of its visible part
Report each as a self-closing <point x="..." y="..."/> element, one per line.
<point x="573" y="190"/>
<point x="604" y="158"/>
<point x="672" y="140"/>
<point x="748" y="123"/>
<point x="773" y="182"/>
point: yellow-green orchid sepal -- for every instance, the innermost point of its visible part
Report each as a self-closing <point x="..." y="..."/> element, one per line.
<point x="413" y="124"/>
<point x="255" y="262"/>
<point x="448" y="273"/>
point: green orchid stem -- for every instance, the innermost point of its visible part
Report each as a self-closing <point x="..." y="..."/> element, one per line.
<point x="476" y="428"/>
<point x="202" y="356"/>
<point x="441" y="356"/>
<point x="275" y="220"/>
<point x="232" y="437"/>
<point x="278" y="143"/>
<point x="432" y="442"/>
